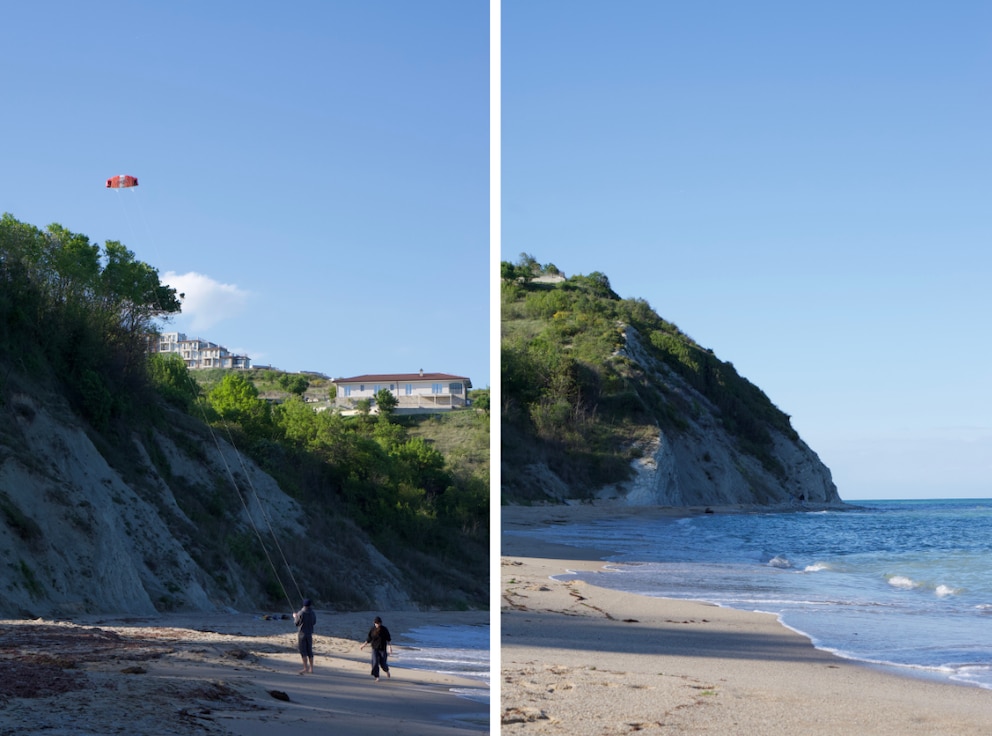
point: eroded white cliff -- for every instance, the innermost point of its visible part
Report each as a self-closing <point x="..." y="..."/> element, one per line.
<point x="78" y="538"/>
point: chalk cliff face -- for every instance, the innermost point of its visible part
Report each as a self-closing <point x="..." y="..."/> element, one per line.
<point x="703" y="465"/>
<point x="77" y="536"/>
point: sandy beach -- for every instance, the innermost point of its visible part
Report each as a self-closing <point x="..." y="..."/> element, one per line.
<point x="223" y="674"/>
<point x="581" y="660"/>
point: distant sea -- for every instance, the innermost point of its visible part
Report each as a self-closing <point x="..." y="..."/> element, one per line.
<point x="903" y="584"/>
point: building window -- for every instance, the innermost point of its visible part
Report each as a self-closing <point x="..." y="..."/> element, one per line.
<point x="437" y="388"/>
<point x="376" y="388"/>
<point x="347" y="390"/>
<point x="455" y="388"/>
<point x="409" y="389"/>
<point x="361" y="387"/>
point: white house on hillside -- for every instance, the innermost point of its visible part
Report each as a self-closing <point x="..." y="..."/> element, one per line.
<point x="199" y="353"/>
<point x="413" y="391"/>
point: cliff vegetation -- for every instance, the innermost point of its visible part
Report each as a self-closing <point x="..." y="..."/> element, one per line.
<point x="602" y="397"/>
<point x="127" y="486"/>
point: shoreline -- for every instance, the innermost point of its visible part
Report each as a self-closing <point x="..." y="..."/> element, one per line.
<point x="234" y="674"/>
<point x="590" y="660"/>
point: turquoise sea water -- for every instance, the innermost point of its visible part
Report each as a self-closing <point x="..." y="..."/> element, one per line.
<point x="906" y="584"/>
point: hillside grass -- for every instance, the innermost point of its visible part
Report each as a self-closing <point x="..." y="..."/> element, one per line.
<point x="462" y="436"/>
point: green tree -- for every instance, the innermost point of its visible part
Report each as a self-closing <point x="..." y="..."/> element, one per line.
<point x="132" y="289"/>
<point x="388" y="434"/>
<point x="386" y="401"/>
<point x="170" y="375"/>
<point x="424" y="464"/>
<point x="73" y="262"/>
<point x="528" y="265"/>
<point x="509" y="272"/>
<point x="235" y="399"/>
<point x="295" y="384"/>
<point x="480" y="400"/>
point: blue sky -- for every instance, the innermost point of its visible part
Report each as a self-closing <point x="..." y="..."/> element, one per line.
<point x="805" y="188"/>
<point x="313" y="175"/>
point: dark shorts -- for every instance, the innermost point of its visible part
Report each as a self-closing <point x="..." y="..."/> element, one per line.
<point x="305" y="643"/>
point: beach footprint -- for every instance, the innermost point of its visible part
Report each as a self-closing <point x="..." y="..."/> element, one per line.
<point x="523" y="714"/>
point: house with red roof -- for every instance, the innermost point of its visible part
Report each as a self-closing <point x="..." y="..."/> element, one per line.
<point x="415" y="392"/>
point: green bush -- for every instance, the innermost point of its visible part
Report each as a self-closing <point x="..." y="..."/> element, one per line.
<point x="171" y="377"/>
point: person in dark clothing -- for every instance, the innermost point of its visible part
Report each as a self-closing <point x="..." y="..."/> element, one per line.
<point x="305" y="619"/>
<point x="380" y="640"/>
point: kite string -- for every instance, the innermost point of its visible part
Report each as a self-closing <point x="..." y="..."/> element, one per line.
<point x="127" y="215"/>
<point x="261" y="509"/>
<point x="261" y="506"/>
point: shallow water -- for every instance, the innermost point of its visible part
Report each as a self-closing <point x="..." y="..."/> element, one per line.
<point x="452" y="650"/>
<point x="901" y="583"/>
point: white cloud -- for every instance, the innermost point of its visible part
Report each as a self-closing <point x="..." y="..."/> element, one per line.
<point x="207" y="302"/>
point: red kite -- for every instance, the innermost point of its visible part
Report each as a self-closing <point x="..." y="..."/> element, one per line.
<point x="122" y="181"/>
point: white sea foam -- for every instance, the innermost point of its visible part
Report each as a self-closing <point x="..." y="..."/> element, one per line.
<point x="477" y="694"/>
<point x="946" y="590"/>
<point x="818" y="567"/>
<point x="901" y="581"/>
<point x="780" y="561"/>
<point x="980" y="675"/>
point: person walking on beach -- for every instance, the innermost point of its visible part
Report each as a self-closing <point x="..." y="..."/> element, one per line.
<point x="380" y="639"/>
<point x="305" y="619"/>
